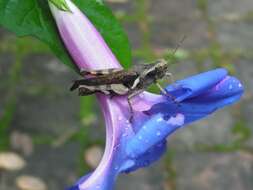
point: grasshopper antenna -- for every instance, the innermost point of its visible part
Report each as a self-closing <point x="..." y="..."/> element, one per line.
<point x="179" y="44"/>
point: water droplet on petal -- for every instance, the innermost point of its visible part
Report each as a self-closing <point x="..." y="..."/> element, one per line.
<point x="239" y="85"/>
<point x="159" y="119"/>
<point x="120" y="118"/>
<point x="178" y="120"/>
<point x="230" y="87"/>
<point x="128" y="127"/>
<point x="140" y="137"/>
<point x="158" y="133"/>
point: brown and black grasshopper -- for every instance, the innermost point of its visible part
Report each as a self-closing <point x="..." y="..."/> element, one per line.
<point x="123" y="82"/>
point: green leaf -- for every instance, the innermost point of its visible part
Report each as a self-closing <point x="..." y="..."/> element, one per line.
<point x="33" y="17"/>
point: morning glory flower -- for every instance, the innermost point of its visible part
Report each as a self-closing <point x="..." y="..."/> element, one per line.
<point x="137" y="144"/>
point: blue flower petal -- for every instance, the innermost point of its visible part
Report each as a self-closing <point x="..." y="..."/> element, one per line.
<point x="153" y="132"/>
<point x="199" y="96"/>
<point x="75" y="187"/>
<point x="81" y="180"/>
<point x="151" y="155"/>
<point x="227" y="91"/>
<point x="197" y="84"/>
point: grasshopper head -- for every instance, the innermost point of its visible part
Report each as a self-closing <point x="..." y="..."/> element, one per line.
<point x="160" y="68"/>
<point x="157" y="71"/>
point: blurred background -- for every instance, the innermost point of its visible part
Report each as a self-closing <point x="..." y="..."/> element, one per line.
<point x="54" y="136"/>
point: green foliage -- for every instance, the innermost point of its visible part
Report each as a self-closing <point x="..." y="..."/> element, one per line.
<point x="86" y="110"/>
<point x="242" y="132"/>
<point x="10" y="105"/>
<point x="5" y="123"/>
<point x="248" y="17"/>
<point x="202" y="5"/>
<point x="33" y="17"/>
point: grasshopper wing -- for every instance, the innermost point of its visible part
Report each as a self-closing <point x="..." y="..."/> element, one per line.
<point x="120" y="77"/>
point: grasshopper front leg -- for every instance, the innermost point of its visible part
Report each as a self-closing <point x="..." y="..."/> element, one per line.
<point x="165" y="93"/>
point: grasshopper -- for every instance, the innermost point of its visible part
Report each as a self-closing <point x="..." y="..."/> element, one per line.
<point x="117" y="81"/>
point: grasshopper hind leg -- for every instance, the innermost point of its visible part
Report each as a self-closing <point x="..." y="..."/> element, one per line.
<point x="130" y="109"/>
<point x="99" y="72"/>
<point x="82" y="91"/>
